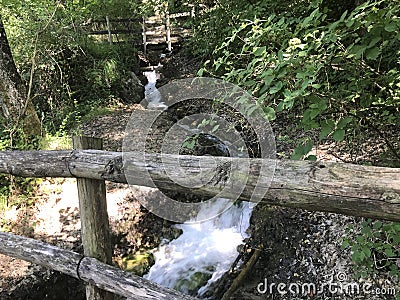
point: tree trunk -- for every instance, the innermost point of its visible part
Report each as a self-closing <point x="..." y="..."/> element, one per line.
<point x="16" y="109"/>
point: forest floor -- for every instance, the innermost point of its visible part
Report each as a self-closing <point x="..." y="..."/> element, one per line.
<point x="294" y="246"/>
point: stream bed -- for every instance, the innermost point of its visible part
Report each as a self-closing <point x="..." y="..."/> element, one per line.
<point x="204" y="251"/>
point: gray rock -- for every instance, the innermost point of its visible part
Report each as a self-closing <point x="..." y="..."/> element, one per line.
<point x="132" y="90"/>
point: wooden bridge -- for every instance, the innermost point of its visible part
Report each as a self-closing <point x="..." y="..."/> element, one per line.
<point x="161" y="30"/>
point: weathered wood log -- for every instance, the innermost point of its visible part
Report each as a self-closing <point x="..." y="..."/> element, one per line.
<point x="322" y="186"/>
<point x="96" y="238"/>
<point x="115" y="31"/>
<point x="87" y="269"/>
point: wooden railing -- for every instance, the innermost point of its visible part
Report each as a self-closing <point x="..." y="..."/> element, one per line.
<point x="365" y="191"/>
<point x="145" y="31"/>
<point x="93" y="267"/>
<point x="357" y="190"/>
<point x="87" y="269"/>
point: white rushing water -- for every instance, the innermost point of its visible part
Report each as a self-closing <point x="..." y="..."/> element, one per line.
<point x="151" y="92"/>
<point x="204" y="251"/>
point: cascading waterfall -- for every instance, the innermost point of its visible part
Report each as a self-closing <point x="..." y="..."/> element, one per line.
<point x="204" y="251"/>
<point x="152" y="94"/>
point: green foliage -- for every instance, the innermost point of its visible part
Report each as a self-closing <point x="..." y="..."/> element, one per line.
<point x="220" y="19"/>
<point x="190" y="142"/>
<point x="333" y="65"/>
<point x="338" y="74"/>
<point x="14" y="190"/>
<point x="376" y="249"/>
<point x="71" y="73"/>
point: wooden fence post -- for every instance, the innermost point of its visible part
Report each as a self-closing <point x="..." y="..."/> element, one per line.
<point x="95" y="229"/>
<point x="109" y="30"/>
<point x="168" y="30"/>
<point x="144" y="35"/>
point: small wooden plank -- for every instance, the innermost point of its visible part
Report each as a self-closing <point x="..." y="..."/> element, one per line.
<point x="155" y="32"/>
<point x="157" y="40"/>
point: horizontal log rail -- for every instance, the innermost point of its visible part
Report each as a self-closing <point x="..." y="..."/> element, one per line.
<point x="116" y="31"/>
<point x="84" y="268"/>
<point x="349" y="189"/>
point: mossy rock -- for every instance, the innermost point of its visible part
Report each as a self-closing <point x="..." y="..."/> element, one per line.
<point x="138" y="263"/>
<point x="192" y="284"/>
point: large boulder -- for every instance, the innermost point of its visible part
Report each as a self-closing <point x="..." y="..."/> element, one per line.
<point x="131" y="90"/>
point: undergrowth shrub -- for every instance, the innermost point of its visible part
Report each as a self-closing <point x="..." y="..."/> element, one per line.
<point x="338" y="75"/>
<point x="333" y="67"/>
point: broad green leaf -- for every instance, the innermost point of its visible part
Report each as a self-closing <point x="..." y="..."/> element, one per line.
<point x="377" y="225"/>
<point x="391" y="27"/>
<point x="349" y="22"/>
<point x="316" y="86"/>
<point x="314" y="113"/>
<point x="343" y="122"/>
<point x="269" y="113"/>
<point x="259" y="51"/>
<point x="215" y="128"/>
<point x="372" y="53"/>
<point x="366" y="251"/>
<point x="276" y="88"/>
<point x="268" y="79"/>
<point x="296" y="155"/>
<point x="338" y="135"/>
<point x="263" y="89"/>
<point x="249" y="83"/>
<point x="343" y="16"/>
<point x="358" y="50"/>
<point x="389" y="252"/>
<point x="280" y="55"/>
<point x="345" y="244"/>
<point x="326" y="129"/>
<point x="301" y="150"/>
<point x="366" y="230"/>
<point x="320" y="105"/>
<point x="307" y="147"/>
<point x="303" y="53"/>
<point x="374" y="41"/>
<point x="311" y="158"/>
